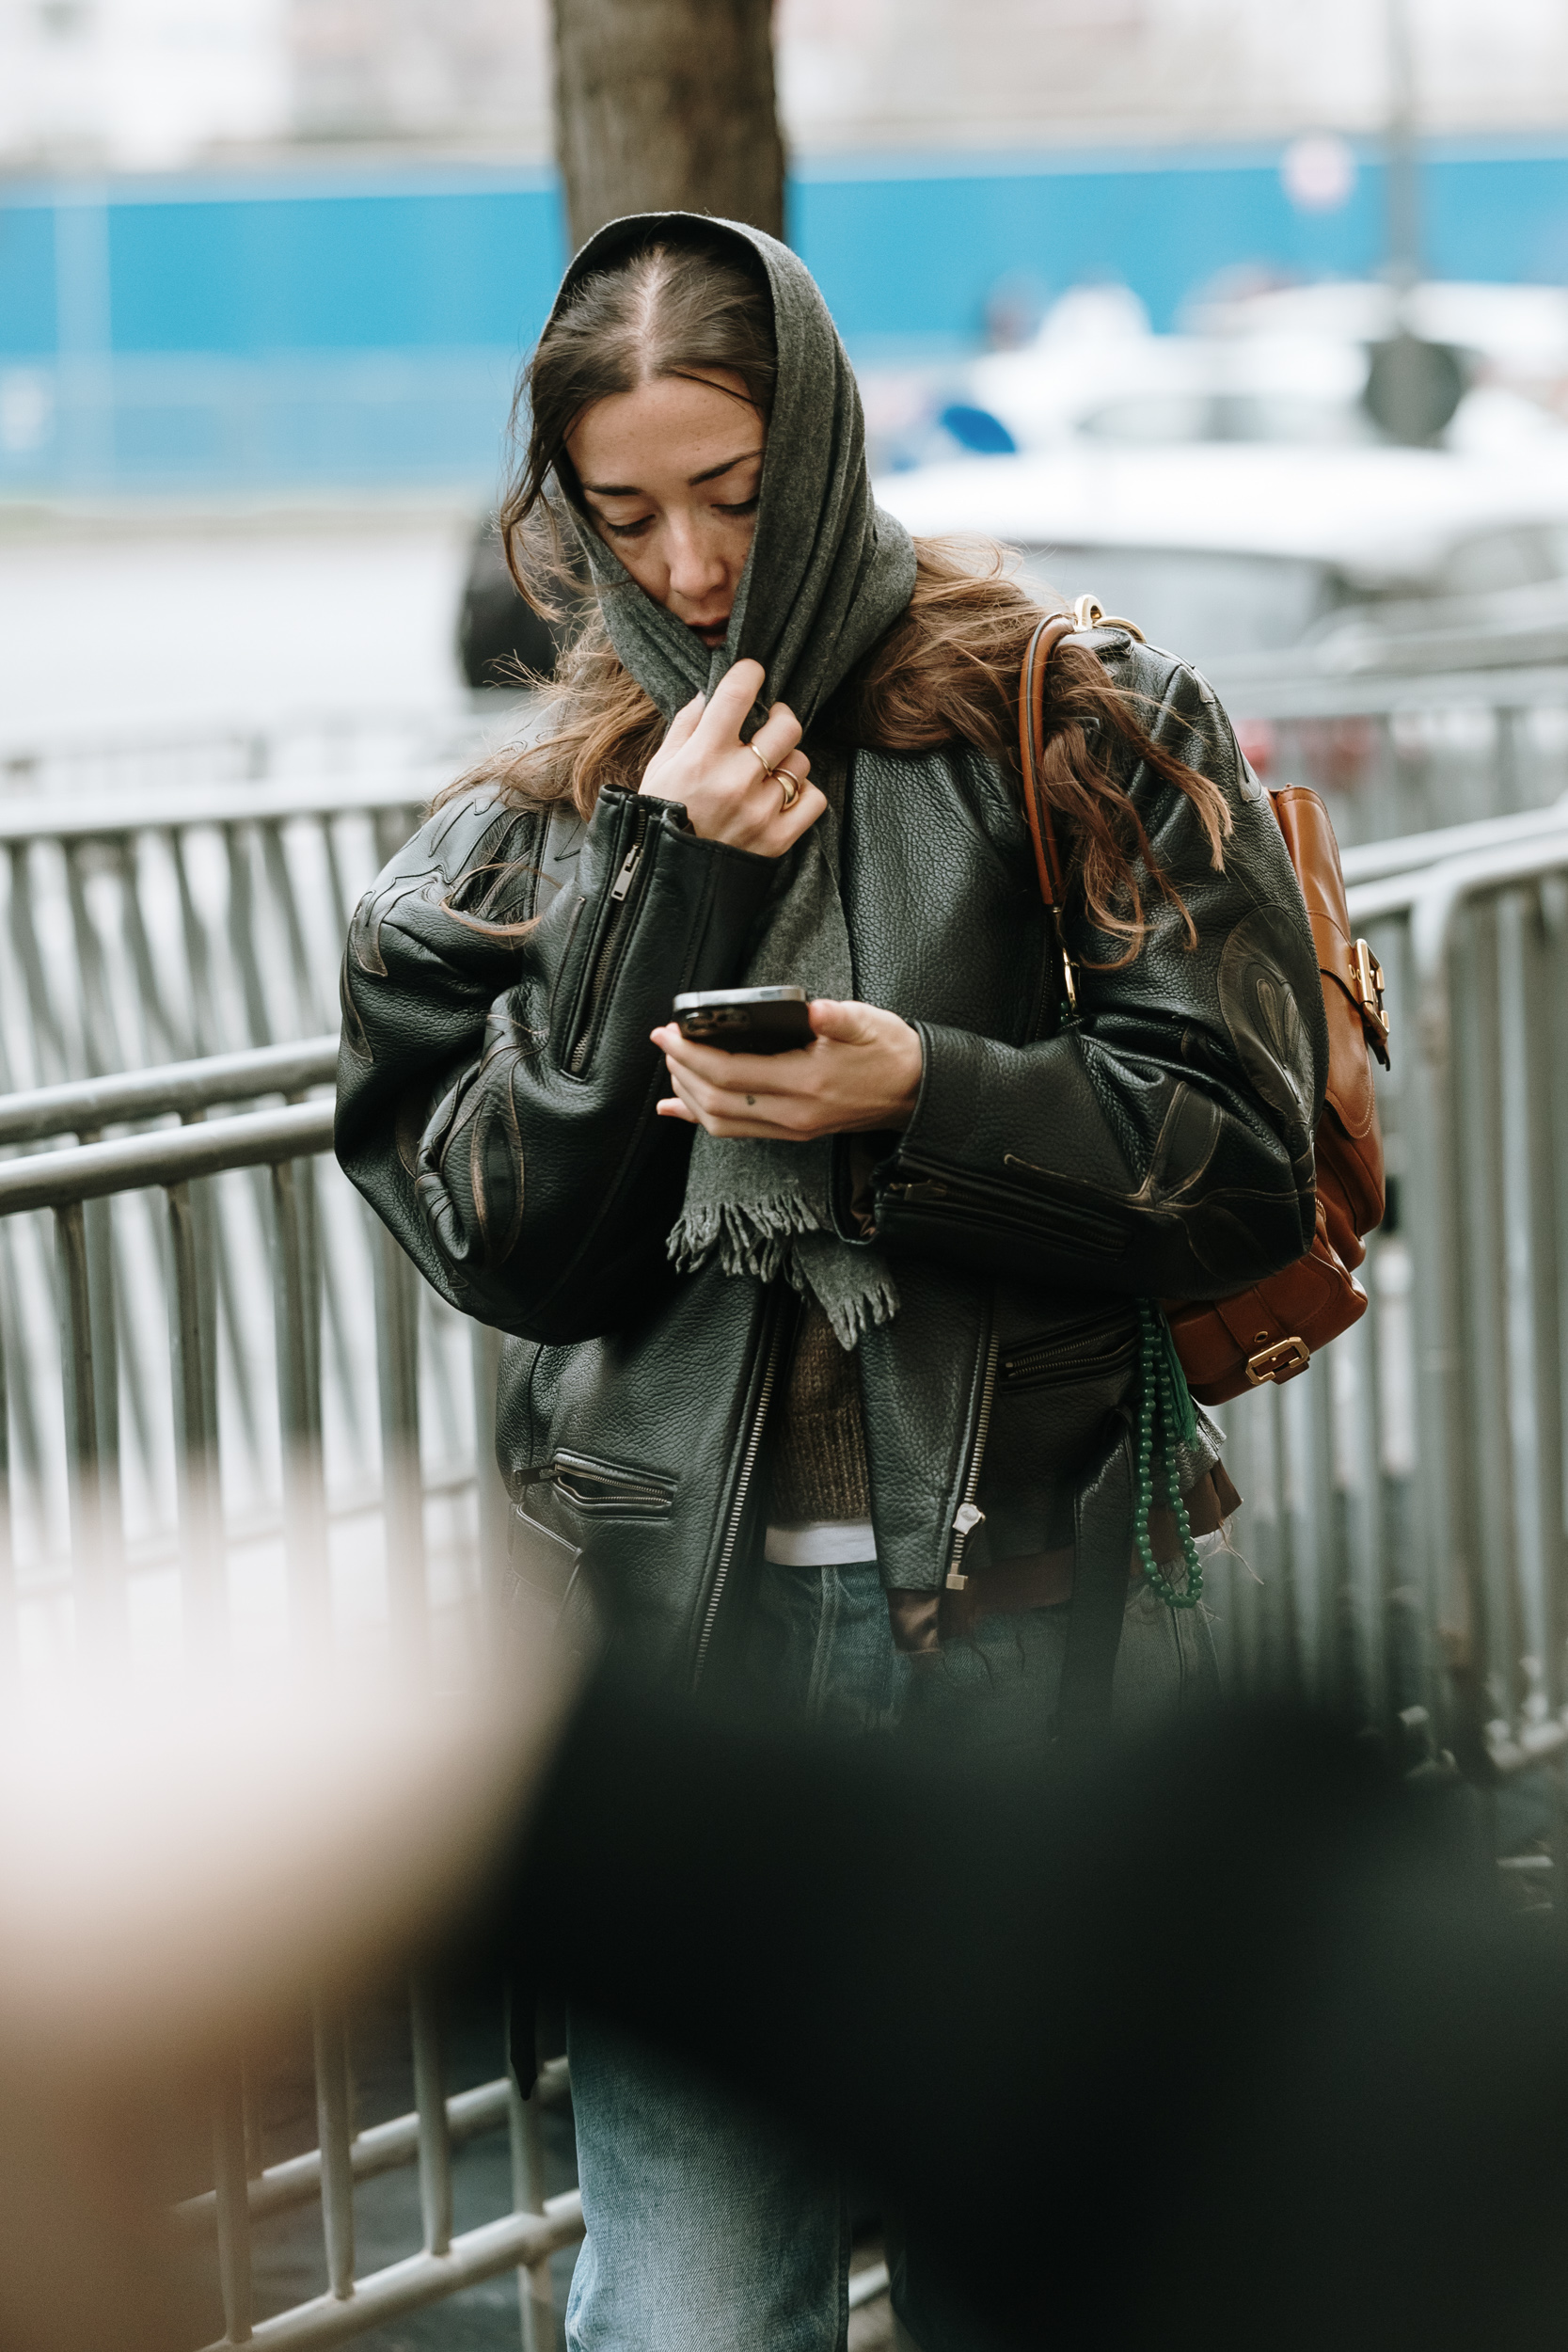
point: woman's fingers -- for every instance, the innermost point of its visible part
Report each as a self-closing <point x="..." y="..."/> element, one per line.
<point x="728" y="706"/>
<point x="777" y="738"/>
<point x="790" y="823"/>
<point x="684" y="725"/>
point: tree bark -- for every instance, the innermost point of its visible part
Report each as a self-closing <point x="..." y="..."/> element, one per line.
<point x="667" y="105"/>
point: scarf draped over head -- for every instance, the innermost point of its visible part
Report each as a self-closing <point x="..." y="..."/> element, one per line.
<point x="828" y="574"/>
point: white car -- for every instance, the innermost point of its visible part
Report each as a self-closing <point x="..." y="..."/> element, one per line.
<point x="1219" y="552"/>
<point x="1290" y="366"/>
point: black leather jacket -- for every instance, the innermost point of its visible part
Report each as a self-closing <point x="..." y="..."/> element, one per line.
<point x="496" y="1105"/>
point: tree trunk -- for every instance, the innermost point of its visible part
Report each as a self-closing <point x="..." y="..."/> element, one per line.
<point x="667" y="105"/>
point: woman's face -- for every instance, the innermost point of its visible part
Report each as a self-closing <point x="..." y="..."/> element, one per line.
<point x="670" y="473"/>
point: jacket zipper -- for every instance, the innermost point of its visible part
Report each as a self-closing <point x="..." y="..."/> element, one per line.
<point x="737" y="1505"/>
<point x="1014" y="1205"/>
<point x="1029" y="1360"/>
<point x="969" y="1514"/>
<point x="598" y="981"/>
<point x="595" y="1487"/>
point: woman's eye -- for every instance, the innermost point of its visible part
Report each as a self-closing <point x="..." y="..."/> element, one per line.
<point x="629" y="530"/>
<point x="749" y="506"/>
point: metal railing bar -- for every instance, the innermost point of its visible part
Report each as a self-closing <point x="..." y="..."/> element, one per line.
<point x="231" y="2206"/>
<point x="535" y="2291"/>
<point x="195" y="1422"/>
<point x="80" y="1401"/>
<point x="113" y="815"/>
<point x="99" y="1030"/>
<point x="1376" y="694"/>
<point x="398" y="1382"/>
<point x="517" y="2240"/>
<point x="430" y="2109"/>
<point x="1435" y="891"/>
<point x="42" y="1001"/>
<point x="155" y="1009"/>
<point x="170" y="1157"/>
<point x="296" y="1305"/>
<point x="242" y="930"/>
<point x="199" y="958"/>
<point x="336" y="2128"/>
<point x="381" y="2148"/>
<point x="171" y="1087"/>
<point x="1374" y="861"/>
<point x="303" y="967"/>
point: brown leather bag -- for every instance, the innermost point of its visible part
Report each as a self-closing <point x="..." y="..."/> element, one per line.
<point x="1270" y="1332"/>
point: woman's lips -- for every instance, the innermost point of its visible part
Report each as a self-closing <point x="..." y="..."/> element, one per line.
<point x="712" y="632"/>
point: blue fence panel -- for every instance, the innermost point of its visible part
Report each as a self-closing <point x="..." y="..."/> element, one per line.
<point x="306" y="327"/>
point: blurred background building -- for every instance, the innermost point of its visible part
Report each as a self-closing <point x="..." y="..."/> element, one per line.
<point x="268" y="244"/>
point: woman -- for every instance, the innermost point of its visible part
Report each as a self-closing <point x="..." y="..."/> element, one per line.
<point x="821" y="1366"/>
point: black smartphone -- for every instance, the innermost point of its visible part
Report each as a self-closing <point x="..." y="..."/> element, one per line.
<point x="746" y="1019"/>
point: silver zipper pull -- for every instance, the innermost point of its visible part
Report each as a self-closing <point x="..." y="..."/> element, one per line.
<point x="623" y="879"/>
<point x="965" y="1520"/>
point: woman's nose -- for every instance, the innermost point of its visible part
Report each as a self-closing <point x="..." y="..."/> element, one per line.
<point x="696" y="561"/>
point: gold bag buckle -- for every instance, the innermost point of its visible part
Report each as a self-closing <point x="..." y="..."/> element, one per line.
<point x="1280" y="1360"/>
<point x="1366" y="978"/>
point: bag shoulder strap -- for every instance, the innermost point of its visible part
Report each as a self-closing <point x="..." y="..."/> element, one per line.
<point x="1031" y="750"/>
<point x="1037" y="807"/>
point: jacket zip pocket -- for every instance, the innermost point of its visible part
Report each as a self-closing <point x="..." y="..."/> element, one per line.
<point x="1070" y="1224"/>
<point x="1077" y="1353"/>
<point x="607" y="1490"/>
<point x="742" y="1489"/>
<point x="612" y="941"/>
<point x="969" y="1516"/>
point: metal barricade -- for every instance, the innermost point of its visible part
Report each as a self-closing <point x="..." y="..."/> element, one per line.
<point x="1403" y="1542"/>
<point x="1392" y="755"/>
<point x="159" y="1512"/>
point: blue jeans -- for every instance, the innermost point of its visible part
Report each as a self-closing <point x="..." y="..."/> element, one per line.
<point x="709" y="2228"/>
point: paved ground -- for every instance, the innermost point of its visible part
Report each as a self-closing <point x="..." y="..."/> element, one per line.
<point x="176" y="616"/>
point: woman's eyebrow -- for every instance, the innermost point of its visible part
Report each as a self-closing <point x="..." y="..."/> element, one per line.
<point x="714" y="471"/>
<point x="629" y="490"/>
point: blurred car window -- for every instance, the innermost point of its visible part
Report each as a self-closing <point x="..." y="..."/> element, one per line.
<point x="1192" y="602"/>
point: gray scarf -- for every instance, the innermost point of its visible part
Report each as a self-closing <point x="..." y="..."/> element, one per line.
<point x="828" y="574"/>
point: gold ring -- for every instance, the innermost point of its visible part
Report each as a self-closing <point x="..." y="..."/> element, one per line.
<point x="784" y="777"/>
<point x="761" y="762"/>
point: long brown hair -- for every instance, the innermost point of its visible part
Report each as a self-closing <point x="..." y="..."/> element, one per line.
<point x="948" y="670"/>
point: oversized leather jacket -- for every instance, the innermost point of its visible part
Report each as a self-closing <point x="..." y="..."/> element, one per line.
<point x="496" y="1105"/>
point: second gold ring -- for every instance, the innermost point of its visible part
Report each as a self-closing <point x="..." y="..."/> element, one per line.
<point x="787" y="785"/>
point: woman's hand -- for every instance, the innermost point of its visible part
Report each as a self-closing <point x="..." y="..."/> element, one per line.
<point x="722" y="782"/>
<point x="864" y="1071"/>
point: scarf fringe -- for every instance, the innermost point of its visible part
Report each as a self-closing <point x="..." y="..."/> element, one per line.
<point x="851" y="1318"/>
<point x="751" y="1236"/>
<point x="758" y="1238"/>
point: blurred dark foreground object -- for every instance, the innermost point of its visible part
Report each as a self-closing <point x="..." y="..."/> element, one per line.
<point x="1223" y="2037"/>
<point x="1225" y="2040"/>
<point x="501" y="641"/>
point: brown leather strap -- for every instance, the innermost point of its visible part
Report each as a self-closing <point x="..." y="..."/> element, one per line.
<point x="1031" y="747"/>
<point x="1044" y="1580"/>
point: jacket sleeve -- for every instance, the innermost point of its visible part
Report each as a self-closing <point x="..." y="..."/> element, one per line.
<point x="496" y="1085"/>
<point x="1163" y="1142"/>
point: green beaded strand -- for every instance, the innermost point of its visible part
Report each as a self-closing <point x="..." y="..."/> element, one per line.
<point x="1157" y="1394"/>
